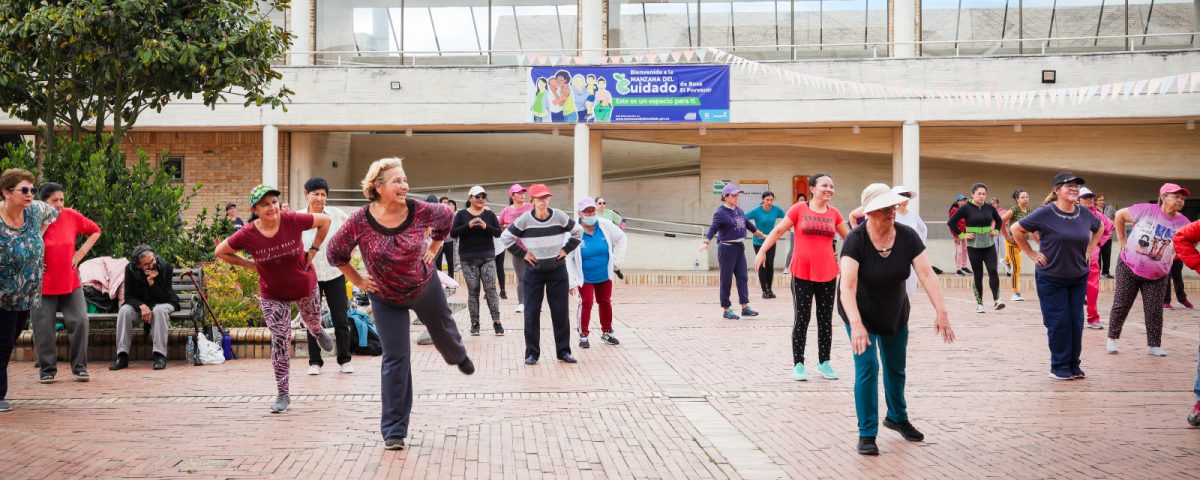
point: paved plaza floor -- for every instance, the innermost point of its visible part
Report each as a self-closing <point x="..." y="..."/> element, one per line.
<point x="685" y="395"/>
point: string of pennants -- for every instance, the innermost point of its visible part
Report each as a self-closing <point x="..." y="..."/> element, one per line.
<point x="1163" y="85"/>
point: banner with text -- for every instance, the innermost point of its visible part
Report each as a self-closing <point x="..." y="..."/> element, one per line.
<point x="629" y="94"/>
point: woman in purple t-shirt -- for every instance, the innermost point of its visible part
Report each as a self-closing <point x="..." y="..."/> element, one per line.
<point x="1145" y="262"/>
<point x="1069" y="234"/>
<point x="390" y="232"/>
<point x="285" y="275"/>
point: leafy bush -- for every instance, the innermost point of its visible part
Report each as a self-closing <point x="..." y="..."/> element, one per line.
<point x="134" y="204"/>
<point x="233" y="294"/>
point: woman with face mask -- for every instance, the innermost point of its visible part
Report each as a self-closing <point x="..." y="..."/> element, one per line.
<point x="592" y="267"/>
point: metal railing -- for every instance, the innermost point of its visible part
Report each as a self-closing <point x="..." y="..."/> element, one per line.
<point x="768" y="53"/>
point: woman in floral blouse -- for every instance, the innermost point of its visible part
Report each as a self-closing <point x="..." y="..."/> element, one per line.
<point x="21" y="267"/>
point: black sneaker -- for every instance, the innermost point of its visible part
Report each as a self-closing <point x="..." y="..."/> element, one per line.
<point x="47" y="378"/>
<point x="609" y="339"/>
<point x="160" y="361"/>
<point x="82" y="376"/>
<point x="748" y="312"/>
<point x="475" y="329"/>
<point x="503" y="296"/>
<point x="583" y="342"/>
<point x="968" y="271"/>
<point x="122" y="361"/>
<point x="866" y="446"/>
<point x="467" y="367"/>
<point x="394" y="443"/>
<point x="568" y="358"/>
<point x="960" y="273"/>
<point x="531" y="360"/>
<point x="498" y="328"/>
<point x="906" y="429"/>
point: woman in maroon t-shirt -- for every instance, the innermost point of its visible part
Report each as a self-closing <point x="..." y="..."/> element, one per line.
<point x="285" y="274"/>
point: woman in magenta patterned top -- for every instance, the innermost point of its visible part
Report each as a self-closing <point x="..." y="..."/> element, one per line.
<point x="390" y="234"/>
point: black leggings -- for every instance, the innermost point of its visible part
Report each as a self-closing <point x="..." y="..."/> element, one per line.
<point x="767" y="272"/>
<point x="987" y="257"/>
<point x="803" y="292"/>
<point x="446" y="253"/>
<point x="500" y="272"/>
<point x="1175" y="279"/>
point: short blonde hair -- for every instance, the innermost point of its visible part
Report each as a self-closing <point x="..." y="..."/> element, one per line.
<point x="375" y="175"/>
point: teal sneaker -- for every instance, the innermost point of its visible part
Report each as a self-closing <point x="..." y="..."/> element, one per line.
<point x="827" y="371"/>
<point x="798" y="373"/>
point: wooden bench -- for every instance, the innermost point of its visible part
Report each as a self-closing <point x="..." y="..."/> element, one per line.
<point x="190" y="306"/>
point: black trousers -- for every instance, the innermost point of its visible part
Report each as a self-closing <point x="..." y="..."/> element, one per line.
<point x="552" y="286"/>
<point x="984" y="257"/>
<point x="11" y="323"/>
<point x="1106" y="257"/>
<point x="335" y="293"/>
<point x="1175" y="279"/>
<point x="500" y="273"/>
<point x="766" y="273"/>
<point x="447" y="253"/>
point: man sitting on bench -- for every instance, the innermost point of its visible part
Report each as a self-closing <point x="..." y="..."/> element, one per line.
<point x="149" y="299"/>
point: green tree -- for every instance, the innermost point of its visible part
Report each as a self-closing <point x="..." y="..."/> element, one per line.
<point x="96" y="65"/>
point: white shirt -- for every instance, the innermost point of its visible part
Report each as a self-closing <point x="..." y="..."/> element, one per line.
<point x="337" y="218"/>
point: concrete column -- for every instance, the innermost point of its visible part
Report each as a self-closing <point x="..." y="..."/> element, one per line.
<point x="595" y="164"/>
<point x="906" y="159"/>
<point x="583" y="166"/>
<point x="301" y="27"/>
<point x="270" y="158"/>
<point x="591" y="29"/>
<point x="904" y="21"/>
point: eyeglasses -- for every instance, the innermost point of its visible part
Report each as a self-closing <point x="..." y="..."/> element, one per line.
<point x="24" y="190"/>
<point x="482" y="196"/>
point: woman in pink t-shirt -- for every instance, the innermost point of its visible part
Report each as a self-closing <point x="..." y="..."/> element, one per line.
<point x="285" y="275"/>
<point x="515" y="209"/>
<point x="1145" y="262"/>
<point x="814" y="269"/>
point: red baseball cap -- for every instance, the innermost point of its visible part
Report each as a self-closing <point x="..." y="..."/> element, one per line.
<point x="539" y="190"/>
<point x="1173" y="188"/>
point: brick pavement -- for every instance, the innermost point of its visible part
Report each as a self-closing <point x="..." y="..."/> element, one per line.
<point x="686" y="395"/>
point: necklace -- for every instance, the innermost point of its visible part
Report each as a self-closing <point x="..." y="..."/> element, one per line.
<point x="10" y="221"/>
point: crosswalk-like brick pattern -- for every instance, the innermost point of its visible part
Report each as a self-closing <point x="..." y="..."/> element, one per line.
<point x="686" y="395"/>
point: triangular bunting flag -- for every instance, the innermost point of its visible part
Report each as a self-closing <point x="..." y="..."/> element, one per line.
<point x="1116" y="90"/>
<point x="579" y="60"/>
<point x="688" y="54"/>
<point x="541" y="60"/>
<point x="1181" y="80"/>
<point x="1104" y="90"/>
<point x="1042" y="98"/>
<point x="566" y="60"/>
<point x="1152" y="87"/>
<point x="1021" y="98"/>
<point x="520" y="59"/>
<point x="1167" y="82"/>
<point x="1195" y="81"/>
<point x="675" y="56"/>
<point x="627" y="58"/>
<point x="553" y="61"/>
<point x="1032" y="95"/>
<point x="662" y="57"/>
<point x="1091" y="92"/>
<point x="1127" y="89"/>
<point x="1137" y="87"/>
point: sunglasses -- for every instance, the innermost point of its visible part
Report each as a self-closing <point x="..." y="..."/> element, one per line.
<point x="24" y="190"/>
<point x="601" y="203"/>
<point x="482" y="196"/>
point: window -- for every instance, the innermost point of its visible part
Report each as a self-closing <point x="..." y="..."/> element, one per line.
<point x="174" y="165"/>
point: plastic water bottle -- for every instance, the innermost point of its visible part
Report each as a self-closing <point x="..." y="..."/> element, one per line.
<point x="190" y="351"/>
<point x="227" y="346"/>
<point x="697" y="265"/>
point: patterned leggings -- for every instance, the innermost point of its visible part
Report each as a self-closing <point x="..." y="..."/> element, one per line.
<point x="803" y="292"/>
<point x="1153" y="292"/>
<point x="1014" y="259"/>
<point x="476" y="271"/>
<point x="277" y="315"/>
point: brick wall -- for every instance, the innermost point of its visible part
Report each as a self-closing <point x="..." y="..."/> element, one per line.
<point x="226" y="164"/>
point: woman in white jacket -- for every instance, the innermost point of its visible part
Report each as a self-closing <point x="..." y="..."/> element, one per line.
<point x="592" y="267"/>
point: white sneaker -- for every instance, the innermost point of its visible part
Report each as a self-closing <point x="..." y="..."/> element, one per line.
<point x="979" y="308"/>
<point x="1157" y="351"/>
<point x="314" y="369"/>
<point x="999" y="305"/>
<point x="1017" y="298"/>
<point x="520" y="308"/>
<point x="1112" y="346"/>
<point x="347" y="368"/>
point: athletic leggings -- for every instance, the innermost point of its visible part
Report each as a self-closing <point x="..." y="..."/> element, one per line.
<point x="766" y="273"/>
<point x="981" y="257"/>
<point x="803" y="292"/>
<point x="1014" y="260"/>
<point x="477" y="272"/>
<point x="278" y="318"/>
<point x="1153" y="292"/>
<point x="1175" y="279"/>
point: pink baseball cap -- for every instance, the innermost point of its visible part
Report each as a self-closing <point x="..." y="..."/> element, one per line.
<point x="515" y="188"/>
<point x="1173" y="188"/>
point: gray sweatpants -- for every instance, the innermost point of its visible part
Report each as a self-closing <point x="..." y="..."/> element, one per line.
<point x="130" y="318"/>
<point x="519" y="265"/>
<point x="74" y="309"/>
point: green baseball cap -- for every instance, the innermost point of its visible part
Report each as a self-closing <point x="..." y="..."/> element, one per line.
<point x="261" y="191"/>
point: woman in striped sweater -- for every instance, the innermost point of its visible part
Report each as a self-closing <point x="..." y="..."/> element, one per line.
<point x="547" y="236"/>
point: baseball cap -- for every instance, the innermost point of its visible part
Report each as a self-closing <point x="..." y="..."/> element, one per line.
<point x="1173" y="188"/>
<point x="515" y="188"/>
<point x="1065" y="177"/>
<point x="257" y="193"/>
<point x="1085" y="192"/>
<point x="877" y="196"/>
<point x="585" y="203"/>
<point x="960" y="197"/>
<point x="730" y="189"/>
<point x="536" y="190"/>
<point x="476" y="190"/>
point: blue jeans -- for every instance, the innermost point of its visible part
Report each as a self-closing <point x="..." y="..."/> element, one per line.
<point x="1062" y="301"/>
<point x="732" y="260"/>
<point x="892" y="352"/>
